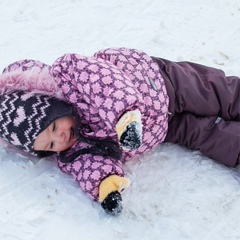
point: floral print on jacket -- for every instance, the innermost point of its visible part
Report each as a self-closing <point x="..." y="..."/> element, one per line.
<point x="102" y="88"/>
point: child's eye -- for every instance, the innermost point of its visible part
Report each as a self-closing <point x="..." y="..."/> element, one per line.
<point x="51" y="145"/>
<point x="53" y="129"/>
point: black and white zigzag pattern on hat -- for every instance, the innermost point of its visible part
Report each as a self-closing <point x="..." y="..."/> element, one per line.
<point x="21" y="118"/>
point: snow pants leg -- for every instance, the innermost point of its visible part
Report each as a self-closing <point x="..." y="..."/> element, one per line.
<point x="198" y="96"/>
<point x="218" y="140"/>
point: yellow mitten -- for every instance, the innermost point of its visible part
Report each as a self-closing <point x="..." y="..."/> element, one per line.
<point x="129" y="130"/>
<point x="126" y="119"/>
<point x="110" y="196"/>
<point x="111" y="184"/>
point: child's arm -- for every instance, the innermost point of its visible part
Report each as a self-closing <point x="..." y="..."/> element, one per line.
<point x="102" y="93"/>
<point x="100" y="177"/>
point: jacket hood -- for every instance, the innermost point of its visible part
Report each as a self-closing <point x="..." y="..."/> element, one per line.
<point x="31" y="80"/>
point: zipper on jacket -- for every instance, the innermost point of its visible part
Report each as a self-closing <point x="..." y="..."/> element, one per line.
<point x="153" y="85"/>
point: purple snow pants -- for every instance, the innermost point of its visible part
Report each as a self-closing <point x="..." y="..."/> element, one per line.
<point x="204" y="109"/>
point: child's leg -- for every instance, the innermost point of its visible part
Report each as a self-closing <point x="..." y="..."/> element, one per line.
<point x="218" y="140"/>
<point x="201" y="90"/>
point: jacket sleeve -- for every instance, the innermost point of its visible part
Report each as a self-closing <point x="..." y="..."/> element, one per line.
<point x="136" y="64"/>
<point x="89" y="171"/>
<point x="98" y="88"/>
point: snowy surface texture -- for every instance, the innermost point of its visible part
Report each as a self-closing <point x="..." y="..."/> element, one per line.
<point x="175" y="193"/>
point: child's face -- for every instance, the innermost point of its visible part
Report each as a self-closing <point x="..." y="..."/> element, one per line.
<point x="58" y="136"/>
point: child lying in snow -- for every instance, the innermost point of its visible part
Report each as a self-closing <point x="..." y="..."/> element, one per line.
<point x="94" y="113"/>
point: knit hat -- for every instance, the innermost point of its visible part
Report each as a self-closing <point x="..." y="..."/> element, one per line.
<point x="23" y="116"/>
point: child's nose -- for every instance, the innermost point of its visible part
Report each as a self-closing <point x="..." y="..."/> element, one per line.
<point x="60" y="136"/>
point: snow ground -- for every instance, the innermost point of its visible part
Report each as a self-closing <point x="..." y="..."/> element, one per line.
<point x="175" y="193"/>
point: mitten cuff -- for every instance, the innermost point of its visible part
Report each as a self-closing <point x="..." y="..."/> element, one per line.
<point x="111" y="184"/>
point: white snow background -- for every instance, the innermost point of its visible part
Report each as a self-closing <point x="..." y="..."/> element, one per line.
<point x="175" y="193"/>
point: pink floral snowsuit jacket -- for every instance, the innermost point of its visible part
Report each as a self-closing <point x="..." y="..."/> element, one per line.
<point x="101" y="88"/>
